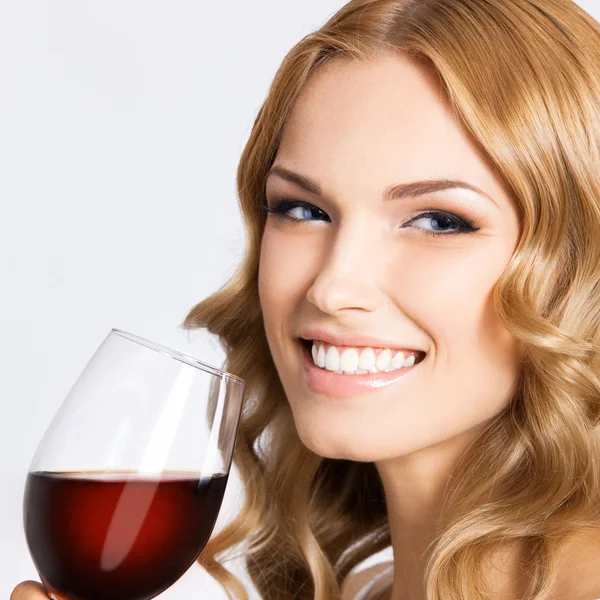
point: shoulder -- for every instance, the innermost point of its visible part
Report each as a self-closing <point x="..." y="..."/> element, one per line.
<point x="355" y="582"/>
<point x="578" y="567"/>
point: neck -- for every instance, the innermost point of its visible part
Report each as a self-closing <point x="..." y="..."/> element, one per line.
<point x="414" y="487"/>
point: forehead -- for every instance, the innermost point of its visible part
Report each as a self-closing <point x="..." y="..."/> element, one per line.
<point x="363" y="125"/>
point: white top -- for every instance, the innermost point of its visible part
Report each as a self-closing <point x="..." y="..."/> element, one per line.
<point x="380" y="582"/>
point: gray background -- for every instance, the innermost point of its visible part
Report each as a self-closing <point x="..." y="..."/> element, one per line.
<point x="121" y="125"/>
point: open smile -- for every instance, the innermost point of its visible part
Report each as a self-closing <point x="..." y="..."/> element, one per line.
<point x="335" y="384"/>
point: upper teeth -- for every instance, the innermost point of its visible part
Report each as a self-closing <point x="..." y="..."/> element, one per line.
<point x="349" y="360"/>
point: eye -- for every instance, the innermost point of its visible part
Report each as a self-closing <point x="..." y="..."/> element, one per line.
<point x="443" y="218"/>
<point x="282" y="208"/>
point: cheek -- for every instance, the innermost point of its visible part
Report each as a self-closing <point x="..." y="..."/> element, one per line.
<point x="451" y="295"/>
<point x="280" y="278"/>
<point x="476" y="359"/>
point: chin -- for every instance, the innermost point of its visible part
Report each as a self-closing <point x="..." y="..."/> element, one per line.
<point x="337" y="442"/>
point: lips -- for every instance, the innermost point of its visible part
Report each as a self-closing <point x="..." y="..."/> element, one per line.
<point x="335" y="385"/>
<point x="354" y="340"/>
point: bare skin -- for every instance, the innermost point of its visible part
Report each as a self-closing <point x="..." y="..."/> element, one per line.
<point x="361" y="264"/>
<point x="29" y="590"/>
<point x="354" y="263"/>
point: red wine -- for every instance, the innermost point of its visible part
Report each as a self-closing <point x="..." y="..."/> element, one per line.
<point x="117" y="536"/>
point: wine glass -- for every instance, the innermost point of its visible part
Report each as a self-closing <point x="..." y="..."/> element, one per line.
<point x="125" y="488"/>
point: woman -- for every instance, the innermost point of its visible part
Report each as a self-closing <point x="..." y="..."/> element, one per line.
<point x="418" y="311"/>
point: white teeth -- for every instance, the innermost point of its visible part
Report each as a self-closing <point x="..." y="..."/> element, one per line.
<point x="367" y="359"/>
<point x="351" y="362"/>
<point x="383" y="360"/>
<point x="397" y="361"/>
<point x="332" y="359"/>
<point x="321" y="357"/>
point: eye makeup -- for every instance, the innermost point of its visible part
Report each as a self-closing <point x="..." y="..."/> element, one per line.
<point x="460" y="224"/>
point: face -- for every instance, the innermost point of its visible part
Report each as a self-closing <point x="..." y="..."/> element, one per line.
<point x="416" y="271"/>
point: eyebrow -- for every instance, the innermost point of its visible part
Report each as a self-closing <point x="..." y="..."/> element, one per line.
<point x="392" y="192"/>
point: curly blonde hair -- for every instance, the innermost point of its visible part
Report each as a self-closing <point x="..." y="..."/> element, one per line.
<point x="523" y="76"/>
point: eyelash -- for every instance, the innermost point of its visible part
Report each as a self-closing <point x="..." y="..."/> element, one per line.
<point x="465" y="225"/>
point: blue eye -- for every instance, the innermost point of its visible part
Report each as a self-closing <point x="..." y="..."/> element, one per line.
<point x="283" y="207"/>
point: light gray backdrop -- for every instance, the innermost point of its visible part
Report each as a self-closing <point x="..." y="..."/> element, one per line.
<point x="121" y="125"/>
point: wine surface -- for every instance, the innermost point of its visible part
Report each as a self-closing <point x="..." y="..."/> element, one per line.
<point x="118" y="536"/>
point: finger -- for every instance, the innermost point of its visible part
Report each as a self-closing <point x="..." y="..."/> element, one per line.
<point x="29" y="590"/>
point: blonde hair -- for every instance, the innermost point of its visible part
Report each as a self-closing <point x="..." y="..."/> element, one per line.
<point x="523" y="76"/>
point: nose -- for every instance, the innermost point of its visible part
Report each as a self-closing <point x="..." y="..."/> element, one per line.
<point x="348" y="273"/>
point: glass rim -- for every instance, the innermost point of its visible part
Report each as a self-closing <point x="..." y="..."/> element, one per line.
<point x="190" y="360"/>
